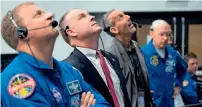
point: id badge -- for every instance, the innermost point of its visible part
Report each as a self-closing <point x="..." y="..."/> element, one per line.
<point x="141" y="99"/>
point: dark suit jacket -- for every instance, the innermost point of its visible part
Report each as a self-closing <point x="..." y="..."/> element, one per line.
<point x="92" y="77"/>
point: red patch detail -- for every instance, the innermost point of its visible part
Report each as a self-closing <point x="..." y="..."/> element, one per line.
<point x="21" y="86"/>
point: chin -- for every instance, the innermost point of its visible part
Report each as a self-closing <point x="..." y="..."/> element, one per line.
<point x="55" y="33"/>
<point x="134" y="29"/>
<point x="162" y="46"/>
<point x="98" y="29"/>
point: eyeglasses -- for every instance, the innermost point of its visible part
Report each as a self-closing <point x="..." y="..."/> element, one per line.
<point x="167" y="34"/>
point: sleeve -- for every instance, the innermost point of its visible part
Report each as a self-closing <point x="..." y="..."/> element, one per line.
<point x="181" y="69"/>
<point x="188" y="92"/>
<point x="37" y="99"/>
<point x="100" y="101"/>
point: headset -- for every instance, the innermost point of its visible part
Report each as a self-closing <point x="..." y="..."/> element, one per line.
<point x="64" y="30"/>
<point x="21" y="31"/>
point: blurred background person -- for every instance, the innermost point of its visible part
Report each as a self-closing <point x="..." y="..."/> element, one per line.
<point x="189" y="87"/>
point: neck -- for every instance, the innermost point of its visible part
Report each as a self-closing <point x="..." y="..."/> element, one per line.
<point x="91" y="42"/>
<point x="191" y="73"/>
<point x="124" y="39"/>
<point x="39" y="51"/>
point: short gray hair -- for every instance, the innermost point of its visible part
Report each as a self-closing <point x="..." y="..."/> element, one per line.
<point x="157" y="22"/>
<point x="106" y="23"/>
<point x="8" y="29"/>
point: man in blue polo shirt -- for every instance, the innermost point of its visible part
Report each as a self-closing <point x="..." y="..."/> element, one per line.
<point x="166" y="69"/>
<point x="34" y="78"/>
<point x="188" y="89"/>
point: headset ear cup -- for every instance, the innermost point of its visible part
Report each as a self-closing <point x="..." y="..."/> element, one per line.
<point x="21" y="32"/>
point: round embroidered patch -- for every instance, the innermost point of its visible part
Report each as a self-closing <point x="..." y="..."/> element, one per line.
<point x="154" y="60"/>
<point x="21" y="86"/>
<point x="185" y="83"/>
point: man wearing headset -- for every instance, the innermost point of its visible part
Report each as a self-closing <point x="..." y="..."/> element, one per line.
<point x="99" y="68"/>
<point x="118" y="25"/>
<point x="34" y="78"/>
<point x="166" y="68"/>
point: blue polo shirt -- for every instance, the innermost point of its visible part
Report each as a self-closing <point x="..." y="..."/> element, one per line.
<point x="164" y="73"/>
<point x="28" y="82"/>
<point x="189" y="90"/>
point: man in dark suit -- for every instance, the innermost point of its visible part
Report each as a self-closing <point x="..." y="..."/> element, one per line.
<point x="118" y="25"/>
<point x="99" y="68"/>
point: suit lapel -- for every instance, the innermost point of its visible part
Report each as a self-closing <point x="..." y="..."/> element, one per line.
<point x="125" y="57"/>
<point x="141" y="59"/>
<point x="88" y="70"/>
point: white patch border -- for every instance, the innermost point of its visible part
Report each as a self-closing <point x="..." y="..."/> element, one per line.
<point x="69" y="89"/>
<point x="74" y="97"/>
<point x="26" y="75"/>
<point x="170" y="70"/>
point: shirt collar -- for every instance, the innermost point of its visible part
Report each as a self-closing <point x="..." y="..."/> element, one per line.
<point x="89" y="53"/>
<point x="152" y="49"/>
<point x="35" y="62"/>
<point x="131" y="46"/>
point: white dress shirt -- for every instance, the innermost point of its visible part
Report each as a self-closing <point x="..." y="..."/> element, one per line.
<point x="95" y="60"/>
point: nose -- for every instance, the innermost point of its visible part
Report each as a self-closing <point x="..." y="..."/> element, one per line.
<point x="49" y="16"/>
<point x="92" y="18"/>
<point x="127" y="17"/>
<point x="195" y="65"/>
<point x="165" y="37"/>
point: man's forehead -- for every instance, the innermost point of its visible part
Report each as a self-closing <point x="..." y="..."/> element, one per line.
<point x="115" y="13"/>
<point x="193" y="59"/>
<point x="29" y="9"/>
<point x="76" y="12"/>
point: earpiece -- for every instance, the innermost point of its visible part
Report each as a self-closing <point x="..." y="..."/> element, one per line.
<point x="64" y="30"/>
<point x="107" y="29"/>
<point x="21" y="31"/>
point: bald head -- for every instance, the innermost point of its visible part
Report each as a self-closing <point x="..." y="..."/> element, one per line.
<point x="64" y="23"/>
<point x="65" y="19"/>
<point x="81" y="25"/>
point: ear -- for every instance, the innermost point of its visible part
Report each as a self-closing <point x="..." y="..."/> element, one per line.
<point x="114" y="30"/>
<point x="71" y="32"/>
<point x="151" y="33"/>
